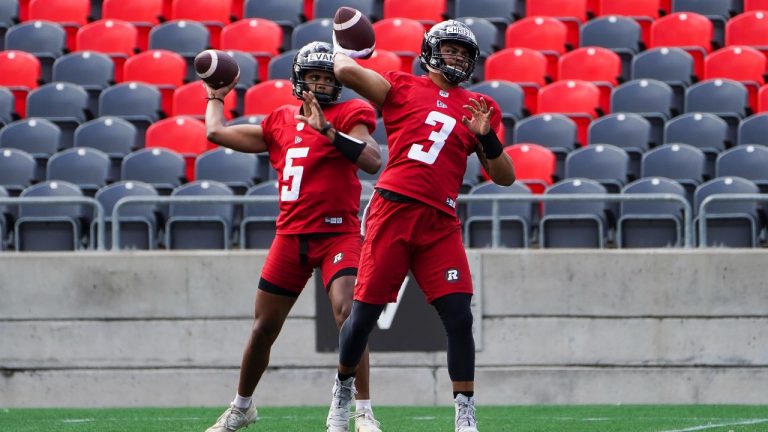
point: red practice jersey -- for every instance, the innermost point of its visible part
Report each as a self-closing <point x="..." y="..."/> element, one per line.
<point x="428" y="143"/>
<point x="318" y="186"/>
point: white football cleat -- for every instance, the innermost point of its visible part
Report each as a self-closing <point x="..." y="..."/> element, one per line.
<point x="365" y="422"/>
<point x="338" y="414"/>
<point x="234" y="419"/>
<point x="465" y="414"/>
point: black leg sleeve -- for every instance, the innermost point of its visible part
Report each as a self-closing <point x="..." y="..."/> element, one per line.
<point x="353" y="337"/>
<point x="456" y="314"/>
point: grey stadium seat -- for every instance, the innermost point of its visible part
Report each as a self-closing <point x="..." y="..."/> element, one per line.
<point x="683" y="163"/>
<point x="515" y="218"/>
<point x="138" y="222"/>
<point x="85" y="167"/>
<point x="629" y="131"/>
<point x="651" y="224"/>
<point x="200" y="226"/>
<point x="573" y="224"/>
<point x="63" y="103"/>
<point x="112" y="135"/>
<point x="257" y="229"/>
<point x="730" y="223"/>
<point x="49" y="227"/>
<point x="37" y="136"/>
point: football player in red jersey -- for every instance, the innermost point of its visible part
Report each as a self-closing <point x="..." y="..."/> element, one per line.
<point x="316" y="150"/>
<point x="433" y="125"/>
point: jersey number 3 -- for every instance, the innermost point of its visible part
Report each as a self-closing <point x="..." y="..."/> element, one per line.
<point x="293" y="173"/>
<point x="437" y="137"/>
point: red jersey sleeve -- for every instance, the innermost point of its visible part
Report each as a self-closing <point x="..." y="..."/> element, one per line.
<point x="354" y="112"/>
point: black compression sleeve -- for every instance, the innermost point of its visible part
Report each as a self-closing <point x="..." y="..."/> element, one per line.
<point x="350" y="147"/>
<point x="492" y="147"/>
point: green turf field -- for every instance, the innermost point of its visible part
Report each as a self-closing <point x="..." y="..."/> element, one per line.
<point x="396" y="419"/>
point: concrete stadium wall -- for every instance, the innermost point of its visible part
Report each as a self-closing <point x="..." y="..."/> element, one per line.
<point x="558" y="327"/>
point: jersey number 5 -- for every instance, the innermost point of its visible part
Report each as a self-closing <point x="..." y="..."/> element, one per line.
<point x="293" y="173"/>
<point x="437" y="137"/>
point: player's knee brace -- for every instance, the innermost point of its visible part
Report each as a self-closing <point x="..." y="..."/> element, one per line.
<point x="456" y="314"/>
<point x="353" y="336"/>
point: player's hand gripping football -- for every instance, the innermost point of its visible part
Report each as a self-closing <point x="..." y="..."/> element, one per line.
<point x="313" y="114"/>
<point x="480" y="122"/>
<point x="220" y="92"/>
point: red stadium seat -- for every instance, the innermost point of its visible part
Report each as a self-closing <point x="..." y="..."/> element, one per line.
<point x="601" y="66"/>
<point x="524" y="66"/>
<point x="753" y="5"/>
<point x="571" y="12"/>
<point x="762" y="99"/>
<point x="184" y="135"/>
<point x="740" y="63"/>
<point x="749" y="28"/>
<point x="403" y="36"/>
<point x="70" y="14"/>
<point x="265" y="97"/>
<point x="260" y="37"/>
<point x="215" y="14"/>
<point x="534" y="165"/>
<point x="164" y="69"/>
<point x="579" y="100"/>
<point x="382" y="61"/>
<point x="428" y="12"/>
<point x="190" y="100"/>
<point x="642" y="11"/>
<point x="21" y="72"/>
<point x="113" y="37"/>
<point x="687" y="30"/>
<point x="143" y="14"/>
<point x="544" y="34"/>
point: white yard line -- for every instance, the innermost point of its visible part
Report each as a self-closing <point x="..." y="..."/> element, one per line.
<point x="717" y="425"/>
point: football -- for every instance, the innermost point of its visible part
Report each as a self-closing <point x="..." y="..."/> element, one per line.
<point x="353" y="31"/>
<point x="217" y="68"/>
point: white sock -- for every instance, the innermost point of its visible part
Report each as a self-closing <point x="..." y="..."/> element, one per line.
<point x="361" y="405"/>
<point x="242" y="403"/>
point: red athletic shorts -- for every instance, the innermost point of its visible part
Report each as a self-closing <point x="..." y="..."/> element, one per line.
<point x="286" y="269"/>
<point x="402" y="236"/>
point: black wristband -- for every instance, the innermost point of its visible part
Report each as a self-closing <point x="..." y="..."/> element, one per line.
<point x="215" y="98"/>
<point x="324" y="130"/>
<point x="492" y="147"/>
<point x="350" y="147"/>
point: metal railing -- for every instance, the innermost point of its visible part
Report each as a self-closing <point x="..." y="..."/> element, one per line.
<point x="721" y="198"/>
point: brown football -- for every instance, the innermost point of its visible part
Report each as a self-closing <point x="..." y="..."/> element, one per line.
<point x="353" y="30"/>
<point x="217" y="68"/>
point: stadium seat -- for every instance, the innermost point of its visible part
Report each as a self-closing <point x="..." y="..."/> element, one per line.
<point x="281" y="66"/>
<point x="650" y="98"/>
<point x="70" y="14"/>
<point x="9" y="15"/>
<point x="642" y="11"/>
<point x="573" y="224"/>
<point x="63" y="103"/>
<point x="509" y="96"/>
<point x="717" y="11"/>
<point x="621" y="35"/>
<point x="605" y="163"/>
<point x="237" y="170"/>
<point x="6" y="106"/>
<point x="381" y="61"/>
<point x="749" y="28"/>
<point x="112" y="135"/>
<point x="184" y="37"/>
<point x="403" y="36"/>
<point x="90" y="70"/>
<point x="85" y="167"/>
<point x="428" y="12"/>
<point x="500" y="13"/>
<point x="259" y="37"/>
<point x="49" y="227"/>
<point x="286" y="13"/>
<point x="729" y="223"/>
<point x="740" y="63"/>
<point x="514" y="218"/>
<point x="683" y="163"/>
<point x="249" y="75"/>
<point x="320" y="29"/>
<point x="651" y="224"/>
<point x="534" y="165"/>
<point x="257" y="229"/>
<point x="629" y="131"/>
<point x="264" y="97"/>
<point x="162" y="168"/>
<point x="142" y="14"/>
<point x="687" y="30"/>
<point x="524" y="66"/>
<point x="21" y="72"/>
<point x="190" y="100"/>
<point x="43" y="39"/>
<point x="37" y="136"/>
<point x="200" y="225"/>
<point x="556" y="132"/>
<point x="327" y="8"/>
<point x="17" y="170"/>
<point x="164" y="69"/>
<point x="136" y="102"/>
<point x="672" y="66"/>
<point x="138" y="222"/>
<point x="754" y="130"/>
<point x="579" y="100"/>
<point x="571" y="12"/>
<point x="489" y="38"/>
<point x="184" y="135"/>
<point x="115" y="38"/>
<point x="599" y="66"/>
<point x="703" y="130"/>
<point x="747" y="161"/>
<point x="752" y="5"/>
<point x="544" y="34"/>
<point x="723" y="97"/>
<point x="213" y="14"/>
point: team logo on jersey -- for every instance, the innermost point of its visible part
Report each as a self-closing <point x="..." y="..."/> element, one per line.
<point x="443" y="93"/>
<point x="300" y="126"/>
<point x="338" y="257"/>
<point x="440" y="104"/>
<point x="297" y="140"/>
<point x="452" y="275"/>
<point x="450" y="202"/>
